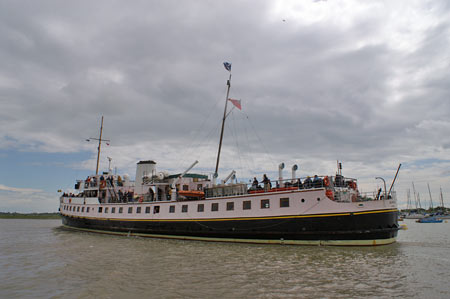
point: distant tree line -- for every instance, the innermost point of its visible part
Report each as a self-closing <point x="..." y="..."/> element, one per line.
<point x="430" y="210"/>
<point x="14" y="215"/>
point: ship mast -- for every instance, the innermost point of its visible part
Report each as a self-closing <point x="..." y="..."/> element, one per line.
<point x="99" y="145"/>
<point x="223" y="122"/>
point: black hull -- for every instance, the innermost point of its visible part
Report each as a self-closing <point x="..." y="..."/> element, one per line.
<point x="369" y="226"/>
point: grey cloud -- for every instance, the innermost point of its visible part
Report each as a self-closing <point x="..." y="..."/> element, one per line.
<point x="315" y="91"/>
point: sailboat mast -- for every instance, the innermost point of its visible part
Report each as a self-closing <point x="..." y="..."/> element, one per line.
<point x="223" y="125"/>
<point x="408" y="201"/>
<point x="429" y="192"/>
<point x="99" y="145"/>
<point x="415" y="196"/>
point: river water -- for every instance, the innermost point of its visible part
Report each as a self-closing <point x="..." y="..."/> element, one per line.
<point x="39" y="259"/>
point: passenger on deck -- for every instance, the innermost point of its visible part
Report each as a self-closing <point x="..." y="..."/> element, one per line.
<point x="307" y="183"/>
<point x="317" y="182"/>
<point x="339" y="181"/>
<point x="267" y="184"/>
<point x="119" y="181"/>
<point x="255" y="184"/>
<point x="299" y="184"/>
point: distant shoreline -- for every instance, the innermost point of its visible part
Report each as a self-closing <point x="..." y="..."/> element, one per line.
<point x="4" y="215"/>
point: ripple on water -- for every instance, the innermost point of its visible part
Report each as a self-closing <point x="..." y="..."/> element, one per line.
<point x="38" y="259"/>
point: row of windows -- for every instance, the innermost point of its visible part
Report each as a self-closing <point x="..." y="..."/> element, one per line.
<point x="246" y="205"/>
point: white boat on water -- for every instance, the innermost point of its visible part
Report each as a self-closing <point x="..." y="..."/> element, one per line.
<point x="327" y="211"/>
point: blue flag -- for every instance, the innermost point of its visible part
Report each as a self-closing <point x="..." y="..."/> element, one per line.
<point x="227" y="66"/>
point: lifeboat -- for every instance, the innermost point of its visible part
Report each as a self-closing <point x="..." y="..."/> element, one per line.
<point x="192" y="193"/>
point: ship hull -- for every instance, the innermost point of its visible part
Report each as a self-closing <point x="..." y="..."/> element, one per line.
<point x="360" y="228"/>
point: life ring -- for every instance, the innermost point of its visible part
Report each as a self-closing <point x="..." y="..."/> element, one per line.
<point x="326" y="181"/>
<point x="353" y="185"/>
<point x="70" y="200"/>
<point x="329" y="194"/>
<point x="102" y="184"/>
<point x="141" y="199"/>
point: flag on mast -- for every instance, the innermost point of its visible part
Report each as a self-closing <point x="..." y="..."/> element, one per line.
<point x="227" y="66"/>
<point x="236" y="103"/>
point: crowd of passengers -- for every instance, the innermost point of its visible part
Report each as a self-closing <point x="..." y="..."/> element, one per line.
<point x="93" y="181"/>
<point x="308" y="183"/>
<point x="70" y="194"/>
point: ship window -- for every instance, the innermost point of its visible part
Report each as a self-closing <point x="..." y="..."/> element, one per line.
<point x="138" y="210"/>
<point x="87" y="209"/>
<point x="106" y="210"/>
<point x="215" y="207"/>
<point x="130" y="210"/>
<point x="265" y="204"/>
<point x="230" y="206"/>
<point x="318" y="198"/>
<point x="120" y="210"/>
<point x="155" y="209"/>
<point x="82" y="210"/>
<point x="147" y="210"/>
<point x="184" y="208"/>
<point x="78" y="209"/>
<point x="171" y="209"/>
<point x="246" y="205"/>
<point x="113" y="210"/>
<point x="200" y="207"/>
<point x="185" y="187"/>
<point x="199" y="187"/>
<point x="100" y="209"/>
<point x="284" y="202"/>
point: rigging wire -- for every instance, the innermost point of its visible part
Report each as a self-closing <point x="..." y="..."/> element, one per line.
<point x="239" y="152"/>
<point x="260" y="141"/>
<point x="244" y="152"/>
<point x="186" y="152"/>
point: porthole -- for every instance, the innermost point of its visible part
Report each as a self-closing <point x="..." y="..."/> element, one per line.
<point x="303" y="200"/>
<point x="318" y="198"/>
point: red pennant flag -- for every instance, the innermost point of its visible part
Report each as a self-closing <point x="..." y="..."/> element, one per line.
<point x="236" y="103"/>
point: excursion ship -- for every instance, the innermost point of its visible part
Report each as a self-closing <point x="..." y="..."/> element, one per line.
<point x="326" y="210"/>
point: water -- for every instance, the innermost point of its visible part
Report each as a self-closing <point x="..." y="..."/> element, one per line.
<point x="38" y="259"/>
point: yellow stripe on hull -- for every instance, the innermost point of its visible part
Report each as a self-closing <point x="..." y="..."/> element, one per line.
<point x="236" y="219"/>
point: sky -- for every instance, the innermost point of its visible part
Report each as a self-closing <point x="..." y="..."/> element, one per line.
<point x="363" y="82"/>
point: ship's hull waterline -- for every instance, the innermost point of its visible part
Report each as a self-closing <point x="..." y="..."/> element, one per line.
<point x="367" y="228"/>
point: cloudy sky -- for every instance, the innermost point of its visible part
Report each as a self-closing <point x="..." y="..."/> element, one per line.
<point x="363" y="82"/>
